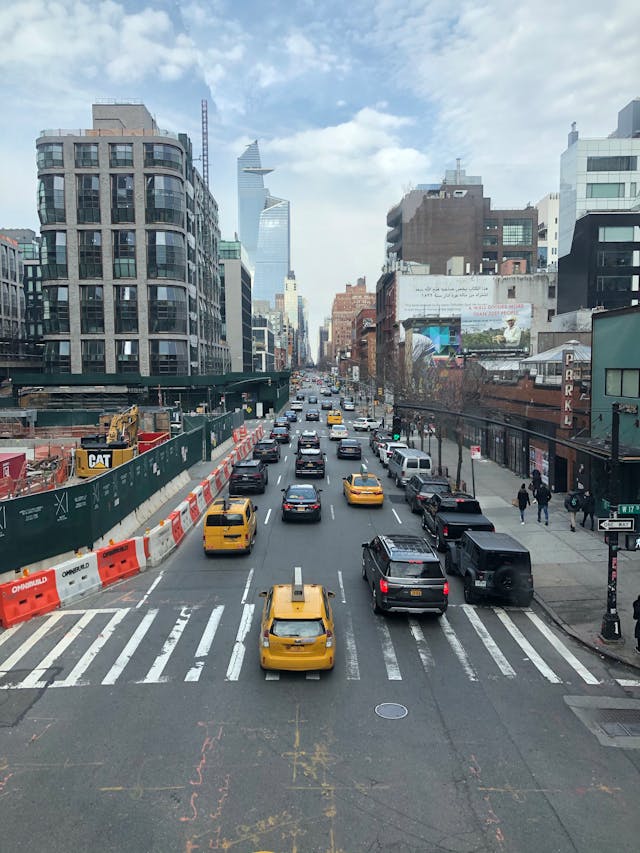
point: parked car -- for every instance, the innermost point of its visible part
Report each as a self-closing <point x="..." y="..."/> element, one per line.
<point x="447" y="516"/>
<point x="491" y="564"/>
<point x="403" y="574"/>
<point x="386" y="448"/>
<point x="248" y="476"/>
<point x="267" y="449"/>
<point x="349" y="448"/>
<point x="378" y="435"/>
<point x="366" y="424"/>
<point x="310" y="462"/>
<point x="419" y="488"/>
<point x="301" y="501"/>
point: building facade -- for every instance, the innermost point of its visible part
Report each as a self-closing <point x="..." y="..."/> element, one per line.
<point x="548" y="216"/>
<point x="263" y="345"/>
<point x="344" y="310"/>
<point x="235" y="281"/>
<point x="129" y="250"/>
<point x="252" y="196"/>
<point x="12" y="297"/>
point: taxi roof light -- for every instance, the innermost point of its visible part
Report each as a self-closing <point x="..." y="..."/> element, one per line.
<point x="297" y="587"/>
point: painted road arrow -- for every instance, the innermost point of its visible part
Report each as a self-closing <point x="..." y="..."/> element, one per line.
<point x="626" y="524"/>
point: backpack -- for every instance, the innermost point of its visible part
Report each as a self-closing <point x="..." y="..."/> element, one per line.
<point x="636" y="609"/>
<point x="573" y="502"/>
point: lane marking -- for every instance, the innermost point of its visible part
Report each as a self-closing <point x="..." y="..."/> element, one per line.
<point x="526" y="647"/>
<point x="73" y="679"/>
<point x="268" y="515"/>
<point x="278" y="480"/>
<point x="6" y="635"/>
<point x="397" y="516"/>
<point x="270" y="675"/>
<point x="423" y="647"/>
<point x="155" y="676"/>
<point x="457" y="648"/>
<point x="246" y="586"/>
<point x="562" y="650"/>
<point x="286" y="457"/>
<point x="351" y="652"/>
<point x="333" y="515"/>
<point x="388" y="652"/>
<point x="150" y="590"/>
<point x="129" y="650"/>
<point x="239" y="649"/>
<point x="628" y="682"/>
<point x="206" y="641"/>
<point x="328" y="480"/>
<point x="26" y="647"/>
<point x="313" y="676"/>
<point x="366" y="460"/>
<point x="340" y="583"/>
<point x="32" y="680"/>
<point x="491" y="646"/>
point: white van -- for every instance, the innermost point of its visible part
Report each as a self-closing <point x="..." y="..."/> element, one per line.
<point x="405" y="462"/>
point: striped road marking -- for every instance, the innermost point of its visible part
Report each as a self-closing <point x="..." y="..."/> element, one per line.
<point x="206" y="641"/>
<point x="268" y="515"/>
<point x="526" y="647"/>
<point x="397" y="516"/>
<point x="246" y="587"/>
<point x="155" y="676"/>
<point x="562" y="650"/>
<point x="457" y="648"/>
<point x="351" y="654"/>
<point x="341" y="585"/>
<point x="423" y="647"/>
<point x="74" y="677"/>
<point x="502" y="663"/>
<point x="239" y="649"/>
<point x="388" y="652"/>
<point x="129" y="650"/>
<point x="26" y="647"/>
<point x="32" y="680"/>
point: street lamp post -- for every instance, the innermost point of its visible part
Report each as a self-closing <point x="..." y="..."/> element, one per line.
<point x="610" y="630"/>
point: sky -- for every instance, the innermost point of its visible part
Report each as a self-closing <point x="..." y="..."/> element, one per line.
<point x="353" y="104"/>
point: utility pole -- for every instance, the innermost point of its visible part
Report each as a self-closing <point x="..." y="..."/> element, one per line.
<point x="610" y="630"/>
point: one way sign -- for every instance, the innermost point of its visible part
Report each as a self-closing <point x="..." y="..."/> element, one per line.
<point x="628" y="525"/>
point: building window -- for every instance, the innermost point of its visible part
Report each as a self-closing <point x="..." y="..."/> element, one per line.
<point x="91" y="309"/>
<point x="615" y="258"/>
<point x="55" y="310"/>
<point x="165" y="199"/>
<point x="126" y="309"/>
<point x="86" y="154"/>
<point x="88" y="198"/>
<point x="551" y="291"/>
<point x="168" y="310"/>
<point x="89" y="254"/>
<point x="622" y="383"/>
<point x="490" y="224"/>
<point x="53" y="254"/>
<point x="492" y="240"/>
<point x="124" y="254"/>
<point x="168" y="358"/>
<point x="122" y="203"/>
<point x="127" y="357"/>
<point x="160" y="155"/>
<point x="613" y="283"/>
<point x="50" y="155"/>
<point x="550" y="314"/>
<point x="51" y="199"/>
<point x="121" y="154"/>
<point x="166" y="256"/>
<point x="93" y="356"/>
<point x="57" y="357"/>
<point x="615" y="234"/>
<point x="511" y="293"/>
<point x="605" y="190"/>
<point x="612" y="164"/>
<point x="517" y="232"/>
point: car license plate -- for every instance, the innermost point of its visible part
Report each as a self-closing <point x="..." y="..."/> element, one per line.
<point x="300" y="509"/>
<point x="416" y="592"/>
<point x="481" y="583"/>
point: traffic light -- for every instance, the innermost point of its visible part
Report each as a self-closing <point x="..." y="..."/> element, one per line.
<point x="396" y="429"/>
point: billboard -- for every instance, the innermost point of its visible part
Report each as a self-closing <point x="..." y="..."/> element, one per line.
<point x="441" y="295"/>
<point x="496" y="327"/>
<point x="429" y="341"/>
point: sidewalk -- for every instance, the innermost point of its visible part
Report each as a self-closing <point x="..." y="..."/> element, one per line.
<point x="569" y="569"/>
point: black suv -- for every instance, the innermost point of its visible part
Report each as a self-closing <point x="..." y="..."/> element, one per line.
<point x="404" y="575"/>
<point x="281" y="434"/>
<point x="312" y="415"/>
<point x="419" y="488"/>
<point x="491" y="564"/>
<point x="250" y="475"/>
<point x="267" y="449"/>
<point x="310" y="462"/>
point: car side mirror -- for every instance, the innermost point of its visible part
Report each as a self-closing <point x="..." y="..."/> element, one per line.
<point x="263" y="594"/>
<point x="331" y="594"/>
<point x="344" y="478"/>
<point x="365" y="544"/>
<point x="283" y="490"/>
<point x="255" y="508"/>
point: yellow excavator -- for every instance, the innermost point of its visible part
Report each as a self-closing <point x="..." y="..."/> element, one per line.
<point x="98" y="454"/>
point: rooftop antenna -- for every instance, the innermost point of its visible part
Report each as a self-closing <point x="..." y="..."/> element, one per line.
<point x="205" y="142"/>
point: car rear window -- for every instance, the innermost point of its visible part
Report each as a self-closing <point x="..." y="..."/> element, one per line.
<point x="301" y="493"/>
<point x="496" y="560"/>
<point x="303" y="628"/>
<point x="226" y="519"/>
<point x="462" y="506"/>
<point x="364" y="481"/>
<point x="414" y="569"/>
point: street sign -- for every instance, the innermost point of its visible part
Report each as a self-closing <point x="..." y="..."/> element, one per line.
<point x="629" y="509"/>
<point x="475" y="451"/>
<point x="612" y="524"/>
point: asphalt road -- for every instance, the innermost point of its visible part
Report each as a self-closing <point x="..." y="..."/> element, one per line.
<point x="141" y="721"/>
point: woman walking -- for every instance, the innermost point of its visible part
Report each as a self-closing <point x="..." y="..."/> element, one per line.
<point x="523" y="501"/>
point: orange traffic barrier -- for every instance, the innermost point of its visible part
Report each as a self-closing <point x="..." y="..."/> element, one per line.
<point x="121" y="561"/>
<point x="206" y="490"/>
<point x="176" y="526"/>
<point x="194" y="510"/>
<point x="26" y="597"/>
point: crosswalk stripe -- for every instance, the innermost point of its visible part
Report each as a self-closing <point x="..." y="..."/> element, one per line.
<point x="423" y="647"/>
<point x="155" y="674"/>
<point x="388" y="652"/>
<point x="457" y="648"/>
<point x="351" y="652"/>
<point x="313" y="676"/>
<point x="30" y="642"/>
<point x="33" y="679"/>
<point x="129" y="650"/>
<point x="204" y="646"/>
<point x="6" y="635"/>
<point x="491" y="646"/>
<point x="239" y="649"/>
<point x="562" y="650"/>
<point x="526" y="647"/>
<point x="73" y="679"/>
<point x="270" y="675"/>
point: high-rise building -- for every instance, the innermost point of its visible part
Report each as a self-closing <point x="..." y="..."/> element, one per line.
<point x="129" y="250"/>
<point x="346" y="306"/>
<point x="12" y="301"/>
<point x="235" y="281"/>
<point x="252" y="196"/>
<point x="323" y="342"/>
<point x="29" y="248"/>
<point x="548" y="214"/>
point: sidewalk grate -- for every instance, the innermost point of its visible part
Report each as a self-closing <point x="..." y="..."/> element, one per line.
<point x="619" y="722"/>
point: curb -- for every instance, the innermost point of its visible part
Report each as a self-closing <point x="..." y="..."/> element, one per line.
<point x="560" y="622"/>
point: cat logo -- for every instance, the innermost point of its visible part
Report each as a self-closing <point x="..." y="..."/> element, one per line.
<point x="99" y="460"/>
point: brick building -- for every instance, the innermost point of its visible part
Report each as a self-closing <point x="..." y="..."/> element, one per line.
<point x="344" y="310"/>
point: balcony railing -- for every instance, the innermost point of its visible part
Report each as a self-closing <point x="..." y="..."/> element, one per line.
<point x="108" y="131"/>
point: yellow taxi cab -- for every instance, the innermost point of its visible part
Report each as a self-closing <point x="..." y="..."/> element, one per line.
<point x="297" y="630"/>
<point x="334" y="417"/>
<point x="230" y="525"/>
<point x="363" y="488"/>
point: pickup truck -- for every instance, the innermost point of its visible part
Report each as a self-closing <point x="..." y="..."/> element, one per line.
<point x="447" y="516"/>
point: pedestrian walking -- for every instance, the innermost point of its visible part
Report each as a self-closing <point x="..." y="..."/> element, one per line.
<point x="588" y="507"/>
<point x="536" y="482"/>
<point x="636" y="616"/>
<point x="523" y="501"/>
<point x="543" y="496"/>
<point x="572" y="505"/>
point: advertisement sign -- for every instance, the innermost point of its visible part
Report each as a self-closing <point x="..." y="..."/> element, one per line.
<point x="428" y="342"/>
<point x="441" y="295"/>
<point x="491" y="327"/>
<point x="567" y="388"/>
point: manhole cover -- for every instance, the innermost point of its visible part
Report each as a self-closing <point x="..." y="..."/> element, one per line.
<point x="391" y="711"/>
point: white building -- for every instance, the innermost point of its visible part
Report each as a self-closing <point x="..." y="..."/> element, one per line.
<point x="548" y="214"/>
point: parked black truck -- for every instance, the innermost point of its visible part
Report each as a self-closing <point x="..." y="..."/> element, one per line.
<point x="446" y="516"/>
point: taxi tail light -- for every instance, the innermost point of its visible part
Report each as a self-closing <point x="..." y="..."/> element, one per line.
<point x="384" y="586"/>
<point x="446" y="588"/>
<point x="377" y="491"/>
<point x="329" y="643"/>
<point x="265" y="639"/>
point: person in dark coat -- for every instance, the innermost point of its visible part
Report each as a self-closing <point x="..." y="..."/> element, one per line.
<point x="572" y="504"/>
<point x="536" y="482"/>
<point x="543" y="496"/>
<point x="588" y="507"/>
<point x="636" y="616"/>
<point x="523" y="501"/>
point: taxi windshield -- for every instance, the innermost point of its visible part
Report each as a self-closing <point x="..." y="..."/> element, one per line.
<point x="304" y="628"/>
